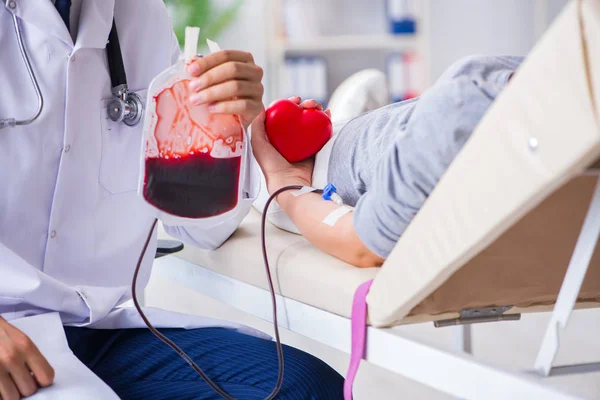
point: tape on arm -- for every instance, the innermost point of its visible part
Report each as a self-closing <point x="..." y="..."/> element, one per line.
<point x="336" y="214"/>
<point x="304" y="190"/>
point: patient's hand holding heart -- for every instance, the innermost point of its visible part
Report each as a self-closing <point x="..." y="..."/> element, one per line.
<point x="297" y="131"/>
<point x="280" y="171"/>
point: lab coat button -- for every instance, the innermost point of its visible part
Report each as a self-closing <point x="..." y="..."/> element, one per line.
<point x="12" y="5"/>
<point x="67" y="148"/>
<point x="53" y="234"/>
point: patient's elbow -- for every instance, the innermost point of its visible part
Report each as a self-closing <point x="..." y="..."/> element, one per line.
<point x="354" y="251"/>
<point x="367" y="259"/>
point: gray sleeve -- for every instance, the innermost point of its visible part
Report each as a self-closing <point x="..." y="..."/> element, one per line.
<point x="442" y="122"/>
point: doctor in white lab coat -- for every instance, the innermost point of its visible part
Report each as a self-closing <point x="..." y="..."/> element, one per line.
<point x="71" y="223"/>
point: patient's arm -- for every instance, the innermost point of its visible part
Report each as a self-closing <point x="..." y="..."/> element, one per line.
<point x="308" y="211"/>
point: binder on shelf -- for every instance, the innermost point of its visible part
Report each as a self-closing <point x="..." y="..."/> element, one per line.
<point x="288" y="78"/>
<point x="414" y="70"/>
<point x="318" y="74"/>
<point x="305" y="77"/>
<point x="404" y="75"/>
<point x="301" y="19"/>
<point x="401" y="16"/>
<point x="397" y="77"/>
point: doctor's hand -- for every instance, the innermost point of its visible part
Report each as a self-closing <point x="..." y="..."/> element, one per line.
<point x="23" y="369"/>
<point x="229" y="82"/>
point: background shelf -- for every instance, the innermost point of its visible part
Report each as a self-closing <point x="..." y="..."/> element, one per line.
<point x="350" y="42"/>
<point x="353" y="35"/>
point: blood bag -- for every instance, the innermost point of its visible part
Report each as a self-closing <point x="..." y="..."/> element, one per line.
<point x="193" y="161"/>
<point x="196" y="168"/>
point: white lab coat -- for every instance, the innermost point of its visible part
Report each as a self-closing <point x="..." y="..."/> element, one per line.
<point x="71" y="222"/>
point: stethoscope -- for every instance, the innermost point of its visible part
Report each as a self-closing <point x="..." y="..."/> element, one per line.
<point x="125" y="106"/>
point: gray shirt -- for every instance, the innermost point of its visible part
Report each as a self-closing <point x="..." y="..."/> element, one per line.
<point x="386" y="162"/>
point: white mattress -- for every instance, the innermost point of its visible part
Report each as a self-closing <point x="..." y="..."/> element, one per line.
<point x="300" y="271"/>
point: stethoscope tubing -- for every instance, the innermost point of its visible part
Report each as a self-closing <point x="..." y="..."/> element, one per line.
<point x="32" y="77"/>
<point x="118" y="79"/>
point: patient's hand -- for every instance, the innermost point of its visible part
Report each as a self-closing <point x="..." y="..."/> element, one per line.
<point x="277" y="170"/>
<point x="310" y="104"/>
<point x="308" y="211"/>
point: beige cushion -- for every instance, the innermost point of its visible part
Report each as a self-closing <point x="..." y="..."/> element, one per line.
<point x="303" y="273"/>
<point x="525" y="266"/>
<point x="300" y="271"/>
<point x="498" y="177"/>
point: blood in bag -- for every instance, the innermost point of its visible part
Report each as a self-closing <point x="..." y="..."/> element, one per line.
<point x="192" y="166"/>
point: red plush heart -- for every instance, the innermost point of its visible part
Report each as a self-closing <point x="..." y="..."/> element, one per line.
<point x="295" y="132"/>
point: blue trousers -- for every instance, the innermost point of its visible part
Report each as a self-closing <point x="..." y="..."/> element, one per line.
<point x="136" y="365"/>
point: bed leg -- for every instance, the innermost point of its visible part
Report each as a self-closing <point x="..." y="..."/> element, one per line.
<point x="567" y="297"/>
<point x="463" y="342"/>
<point x="462" y="339"/>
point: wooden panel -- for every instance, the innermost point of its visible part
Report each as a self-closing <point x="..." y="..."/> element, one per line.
<point x="526" y="265"/>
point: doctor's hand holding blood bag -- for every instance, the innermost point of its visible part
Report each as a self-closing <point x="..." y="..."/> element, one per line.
<point x="225" y="83"/>
<point x="195" y="147"/>
<point x="195" y="127"/>
<point x="75" y="254"/>
<point x="229" y="82"/>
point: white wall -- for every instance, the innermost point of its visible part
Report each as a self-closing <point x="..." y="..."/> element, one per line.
<point x="247" y="32"/>
<point x="458" y="28"/>
<point x="463" y="27"/>
<point x="555" y="6"/>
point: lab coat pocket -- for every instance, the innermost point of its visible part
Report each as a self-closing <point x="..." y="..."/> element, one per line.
<point x="119" y="162"/>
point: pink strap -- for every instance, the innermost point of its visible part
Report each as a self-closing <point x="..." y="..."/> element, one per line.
<point x="359" y="333"/>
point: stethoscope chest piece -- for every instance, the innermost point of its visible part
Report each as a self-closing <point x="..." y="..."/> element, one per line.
<point x="125" y="106"/>
<point x="129" y="111"/>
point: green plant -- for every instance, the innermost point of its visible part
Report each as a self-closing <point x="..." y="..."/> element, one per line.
<point x="205" y="14"/>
